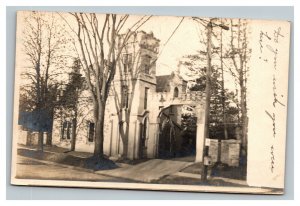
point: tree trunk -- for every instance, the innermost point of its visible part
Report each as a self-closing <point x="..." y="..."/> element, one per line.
<point x="98" y="150"/>
<point x="123" y="129"/>
<point x="244" y="131"/>
<point x="73" y="140"/>
<point x="99" y="132"/>
<point x="40" y="141"/>
<point x="125" y="147"/>
<point x="244" y="124"/>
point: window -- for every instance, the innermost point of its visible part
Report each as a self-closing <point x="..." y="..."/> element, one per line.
<point x="124" y="96"/>
<point x="146" y="97"/>
<point x="176" y="92"/>
<point x="64" y="126"/>
<point x="66" y="130"/>
<point x="91" y="133"/>
<point x="127" y="62"/>
<point x="147" y="65"/>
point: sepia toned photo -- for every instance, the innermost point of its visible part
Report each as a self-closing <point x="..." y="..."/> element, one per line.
<point x="150" y="102"/>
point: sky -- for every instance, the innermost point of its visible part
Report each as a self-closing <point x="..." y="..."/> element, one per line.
<point x="186" y="38"/>
<point x="184" y="41"/>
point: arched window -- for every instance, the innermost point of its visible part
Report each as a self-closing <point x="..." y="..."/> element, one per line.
<point x="176" y="92"/>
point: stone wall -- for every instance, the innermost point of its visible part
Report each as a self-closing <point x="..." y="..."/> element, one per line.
<point x="230" y="150"/>
<point x="213" y="150"/>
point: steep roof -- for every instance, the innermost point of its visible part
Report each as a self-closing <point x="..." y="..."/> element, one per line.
<point x="163" y="83"/>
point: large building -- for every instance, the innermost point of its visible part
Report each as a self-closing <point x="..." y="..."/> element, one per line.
<point x="143" y="110"/>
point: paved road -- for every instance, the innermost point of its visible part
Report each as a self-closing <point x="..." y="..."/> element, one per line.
<point x="28" y="168"/>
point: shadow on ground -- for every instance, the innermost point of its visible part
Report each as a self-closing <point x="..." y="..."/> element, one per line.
<point x="93" y="163"/>
<point x="238" y="173"/>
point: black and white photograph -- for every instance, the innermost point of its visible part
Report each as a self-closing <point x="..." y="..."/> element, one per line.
<point x="146" y="102"/>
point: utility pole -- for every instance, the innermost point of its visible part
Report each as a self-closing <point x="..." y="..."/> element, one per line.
<point x="207" y="101"/>
<point x="219" y="163"/>
<point x="209" y="26"/>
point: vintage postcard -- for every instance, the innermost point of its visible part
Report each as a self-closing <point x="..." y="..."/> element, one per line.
<point x="150" y="102"/>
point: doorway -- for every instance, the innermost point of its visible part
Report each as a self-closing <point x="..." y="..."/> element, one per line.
<point x="167" y="144"/>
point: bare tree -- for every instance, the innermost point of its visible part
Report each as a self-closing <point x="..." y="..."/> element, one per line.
<point x="43" y="45"/>
<point x="239" y="54"/>
<point x="100" y="45"/>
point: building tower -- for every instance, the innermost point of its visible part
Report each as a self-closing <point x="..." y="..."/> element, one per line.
<point x="129" y="122"/>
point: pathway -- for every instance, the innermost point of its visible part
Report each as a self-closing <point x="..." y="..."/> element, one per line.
<point x="149" y="171"/>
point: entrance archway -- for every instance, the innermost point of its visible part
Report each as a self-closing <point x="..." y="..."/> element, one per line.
<point x="188" y="145"/>
<point x="167" y="143"/>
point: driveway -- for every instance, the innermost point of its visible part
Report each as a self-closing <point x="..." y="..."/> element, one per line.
<point x="148" y="171"/>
